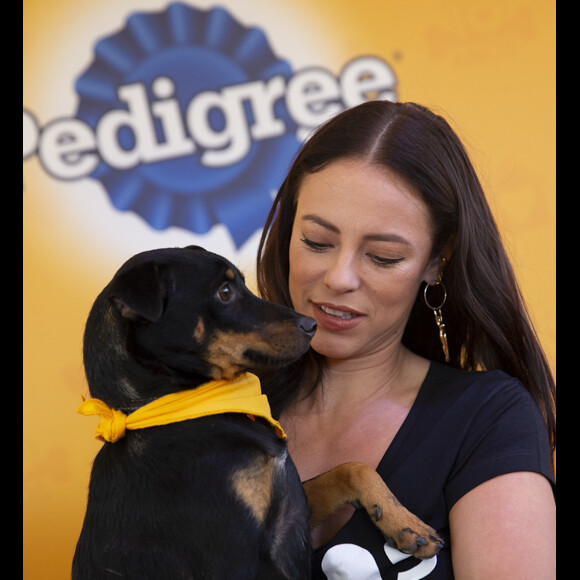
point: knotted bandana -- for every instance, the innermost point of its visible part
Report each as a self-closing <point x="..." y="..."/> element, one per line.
<point x="243" y="395"/>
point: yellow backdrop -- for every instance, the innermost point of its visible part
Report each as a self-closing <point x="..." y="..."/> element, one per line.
<point x="487" y="65"/>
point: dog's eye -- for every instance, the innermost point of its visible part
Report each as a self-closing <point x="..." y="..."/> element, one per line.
<point x="225" y="292"/>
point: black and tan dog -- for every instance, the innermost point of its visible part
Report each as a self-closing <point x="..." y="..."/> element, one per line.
<point x="216" y="497"/>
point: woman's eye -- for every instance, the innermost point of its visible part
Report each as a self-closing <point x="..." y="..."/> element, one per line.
<point x="314" y="245"/>
<point x="385" y="261"/>
<point x="225" y="292"/>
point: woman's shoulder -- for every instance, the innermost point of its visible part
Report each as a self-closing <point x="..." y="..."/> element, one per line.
<point x="490" y="422"/>
<point x="444" y="380"/>
<point x="478" y="399"/>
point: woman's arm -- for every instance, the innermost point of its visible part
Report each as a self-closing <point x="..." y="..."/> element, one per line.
<point x="505" y="528"/>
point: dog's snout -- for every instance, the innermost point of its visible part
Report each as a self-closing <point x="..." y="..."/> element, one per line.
<point x="308" y="325"/>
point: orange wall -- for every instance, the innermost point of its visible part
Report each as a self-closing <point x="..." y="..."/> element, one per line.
<point x="489" y="67"/>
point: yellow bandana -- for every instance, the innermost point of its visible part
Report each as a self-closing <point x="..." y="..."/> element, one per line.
<point x="243" y="395"/>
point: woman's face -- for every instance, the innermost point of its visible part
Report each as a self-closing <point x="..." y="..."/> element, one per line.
<point x="360" y="247"/>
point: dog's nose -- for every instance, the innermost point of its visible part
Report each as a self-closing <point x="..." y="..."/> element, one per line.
<point x="308" y="325"/>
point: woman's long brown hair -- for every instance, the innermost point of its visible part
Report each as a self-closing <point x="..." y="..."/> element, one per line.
<point x="487" y="324"/>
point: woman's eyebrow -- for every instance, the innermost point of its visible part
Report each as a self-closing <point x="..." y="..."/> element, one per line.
<point x="386" y="238"/>
<point x="311" y="217"/>
<point x="391" y="237"/>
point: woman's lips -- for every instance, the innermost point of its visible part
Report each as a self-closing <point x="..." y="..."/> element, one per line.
<point x="334" y="317"/>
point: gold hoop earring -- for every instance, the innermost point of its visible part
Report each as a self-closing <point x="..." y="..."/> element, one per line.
<point x="438" y="315"/>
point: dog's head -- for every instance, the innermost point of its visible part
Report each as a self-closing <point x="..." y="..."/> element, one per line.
<point x="174" y="318"/>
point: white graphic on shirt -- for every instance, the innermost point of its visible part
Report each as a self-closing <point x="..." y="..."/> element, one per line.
<point x="351" y="562"/>
<point x="422" y="569"/>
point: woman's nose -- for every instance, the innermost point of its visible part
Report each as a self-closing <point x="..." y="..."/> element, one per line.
<point x="342" y="274"/>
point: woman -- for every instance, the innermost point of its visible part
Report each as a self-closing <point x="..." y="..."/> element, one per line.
<point x="424" y="365"/>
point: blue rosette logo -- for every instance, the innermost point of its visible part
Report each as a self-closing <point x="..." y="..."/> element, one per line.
<point x="188" y="112"/>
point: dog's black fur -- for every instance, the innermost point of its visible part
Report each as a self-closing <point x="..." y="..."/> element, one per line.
<point x="216" y="497"/>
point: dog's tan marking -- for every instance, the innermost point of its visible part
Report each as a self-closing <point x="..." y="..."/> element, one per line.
<point x="361" y="485"/>
<point x="226" y="353"/>
<point x="253" y="485"/>
<point x="230" y="274"/>
<point x="226" y="348"/>
<point x="199" y="332"/>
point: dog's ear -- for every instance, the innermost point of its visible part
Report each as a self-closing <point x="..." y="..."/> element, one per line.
<point x="139" y="292"/>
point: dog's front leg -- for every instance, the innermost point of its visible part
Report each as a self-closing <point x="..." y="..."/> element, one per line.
<point x="361" y="486"/>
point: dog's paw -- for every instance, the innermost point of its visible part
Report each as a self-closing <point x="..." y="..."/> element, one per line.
<point x="421" y="541"/>
<point x="405" y="531"/>
<point x="364" y="488"/>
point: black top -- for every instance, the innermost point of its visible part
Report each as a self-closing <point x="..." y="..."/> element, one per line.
<point x="463" y="429"/>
